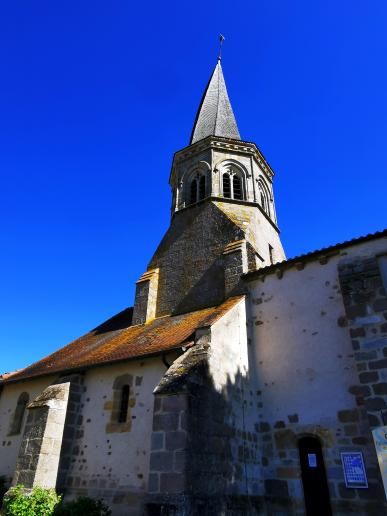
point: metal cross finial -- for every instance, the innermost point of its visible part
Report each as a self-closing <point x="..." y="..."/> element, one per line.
<point x="221" y="39"/>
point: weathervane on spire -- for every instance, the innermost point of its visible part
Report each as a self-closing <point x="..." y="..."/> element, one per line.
<point x="221" y="39"/>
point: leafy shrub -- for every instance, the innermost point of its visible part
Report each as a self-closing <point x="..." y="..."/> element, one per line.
<point x="40" y="502"/>
<point x="82" y="506"/>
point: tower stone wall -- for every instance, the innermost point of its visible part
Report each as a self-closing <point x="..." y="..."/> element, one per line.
<point x="190" y="258"/>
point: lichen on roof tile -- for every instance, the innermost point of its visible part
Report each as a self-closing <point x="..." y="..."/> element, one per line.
<point x="117" y="340"/>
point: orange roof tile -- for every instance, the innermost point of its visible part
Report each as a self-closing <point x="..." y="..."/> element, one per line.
<point x="116" y="340"/>
<point x="5" y="376"/>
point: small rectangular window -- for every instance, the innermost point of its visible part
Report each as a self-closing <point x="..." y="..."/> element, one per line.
<point x="271" y="257"/>
<point x="124" y="404"/>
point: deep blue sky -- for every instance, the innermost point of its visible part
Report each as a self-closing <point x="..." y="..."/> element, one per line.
<point x="96" y="96"/>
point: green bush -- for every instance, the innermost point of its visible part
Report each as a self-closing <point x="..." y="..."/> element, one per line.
<point x="40" y="502"/>
<point x="82" y="506"/>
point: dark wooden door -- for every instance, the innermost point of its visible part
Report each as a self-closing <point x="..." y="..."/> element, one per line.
<point x="314" y="479"/>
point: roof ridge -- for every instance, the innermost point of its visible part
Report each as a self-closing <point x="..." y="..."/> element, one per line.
<point x="317" y="252"/>
<point x="217" y="103"/>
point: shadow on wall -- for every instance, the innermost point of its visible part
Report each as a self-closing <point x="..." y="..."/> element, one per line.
<point x="206" y="446"/>
<point x="212" y="283"/>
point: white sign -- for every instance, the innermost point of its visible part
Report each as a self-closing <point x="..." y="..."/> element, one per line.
<point x="380" y="439"/>
<point x="354" y="470"/>
<point x="312" y="460"/>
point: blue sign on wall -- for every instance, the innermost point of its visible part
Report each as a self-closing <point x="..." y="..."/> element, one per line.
<point x="354" y="470"/>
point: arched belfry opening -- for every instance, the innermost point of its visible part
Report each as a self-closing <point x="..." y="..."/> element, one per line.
<point x="197" y="189"/>
<point x="264" y="196"/>
<point x="193" y="191"/>
<point x="233" y="184"/>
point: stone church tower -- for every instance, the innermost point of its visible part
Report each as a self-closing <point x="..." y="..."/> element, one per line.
<point x="223" y="215"/>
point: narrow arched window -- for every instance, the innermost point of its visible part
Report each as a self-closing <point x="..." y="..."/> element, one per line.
<point x="194" y="188"/>
<point x="265" y="196"/>
<point x="18" y="416"/>
<point x="202" y="187"/>
<point x="237" y="187"/>
<point x="124" y="404"/>
<point x="226" y="186"/>
<point x="263" y="201"/>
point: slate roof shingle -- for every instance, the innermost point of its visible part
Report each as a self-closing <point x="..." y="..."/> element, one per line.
<point x="215" y="116"/>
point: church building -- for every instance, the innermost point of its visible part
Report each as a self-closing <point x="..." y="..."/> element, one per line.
<point x="239" y="383"/>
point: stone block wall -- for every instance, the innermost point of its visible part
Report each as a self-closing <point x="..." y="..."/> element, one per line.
<point x="30" y="448"/>
<point x="365" y="304"/>
<point x="202" y="457"/>
<point x="146" y="297"/>
<point x="319" y="340"/>
<point x="72" y="428"/>
<point x="141" y="302"/>
<point x="259" y="231"/>
<point x="39" y="454"/>
<point x="169" y="448"/>
<point x="224" y="452"/>
<point x="235" y="264"/>
<point x="190" y="259"/>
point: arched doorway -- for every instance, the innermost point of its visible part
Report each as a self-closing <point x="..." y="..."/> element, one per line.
<point x="314" y="479"/>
